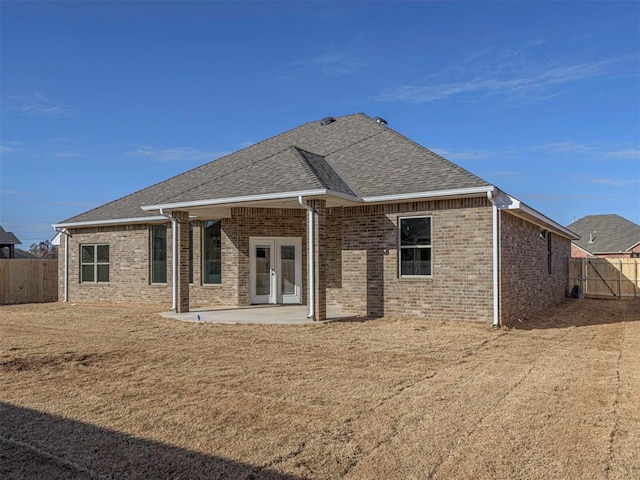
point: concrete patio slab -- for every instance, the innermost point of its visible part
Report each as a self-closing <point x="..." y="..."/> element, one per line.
<point x="255" y="314"/>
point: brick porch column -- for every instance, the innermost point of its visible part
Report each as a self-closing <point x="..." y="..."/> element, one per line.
<point x="320" y="270"/>
<point x="182" y="260"/>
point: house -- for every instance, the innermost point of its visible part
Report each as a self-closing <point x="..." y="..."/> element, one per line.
<point x="342" y="212"/>
<point x="605" y="236"/>
<point x="8" y="242"/>
<point x="24" y="255"/>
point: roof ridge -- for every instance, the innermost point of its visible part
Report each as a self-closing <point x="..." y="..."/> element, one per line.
<point x="305" y="163"/>
<point x="316" y="173"/>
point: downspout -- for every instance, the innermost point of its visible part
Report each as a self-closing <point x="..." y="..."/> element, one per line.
<point x="310" y="257"/>
<point x="496" y="276"/>
<point x="66" y="265"/>
<point x="174" y="261"/>
<point x="65" y="276"/>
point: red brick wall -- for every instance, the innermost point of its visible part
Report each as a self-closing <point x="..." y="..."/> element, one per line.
<point x="577" y="252"/>
<point x="526" y="286"/>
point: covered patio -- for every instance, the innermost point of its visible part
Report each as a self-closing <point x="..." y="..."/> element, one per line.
<point x="256" y="314"/>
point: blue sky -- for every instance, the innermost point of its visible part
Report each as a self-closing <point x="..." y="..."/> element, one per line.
<point x="100" y="99"/>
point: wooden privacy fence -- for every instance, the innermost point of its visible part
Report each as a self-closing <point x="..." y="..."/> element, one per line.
<point x="28" y="281"/>
<point x="605" y="277"/>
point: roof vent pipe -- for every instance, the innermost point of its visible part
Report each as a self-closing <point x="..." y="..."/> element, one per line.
<point x="327" y="121"/>
<point x="381" y="120"/>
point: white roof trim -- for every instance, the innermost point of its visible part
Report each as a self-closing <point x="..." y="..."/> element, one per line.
<point x="115" y="221"/>
<point x="458" y="192"/>
<point x="250" y="198"/>
<point x="516" y="204"/>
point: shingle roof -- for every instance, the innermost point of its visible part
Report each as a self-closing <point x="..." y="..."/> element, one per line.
<point x="353" y="154"/>
<point x="325" y="173"/>
<point x="8" y="238"/>
<point x="24" y="255"/>
<point x="606" y="233"/>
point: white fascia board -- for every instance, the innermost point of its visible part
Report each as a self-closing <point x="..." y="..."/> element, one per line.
<point x="344" y="196"/>
<point x="543" y="219"/>
<point x="115" y="221"/>
<point x="246" y="198"/>
<point x="458" y="192"/>
<point x="56" y="238"/>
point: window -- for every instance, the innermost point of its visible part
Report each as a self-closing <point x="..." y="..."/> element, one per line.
<point x="158" y="254"/>
<point x="95" y="263"/>
<point x="415" y="247"/>
<point x="211" y="252"/>
<point x="190" y="252"/>
<point x="549" y="253"/>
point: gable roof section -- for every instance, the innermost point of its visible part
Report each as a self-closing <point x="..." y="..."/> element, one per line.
<point x="608" y="233"/>
<point x="354" y="155"/>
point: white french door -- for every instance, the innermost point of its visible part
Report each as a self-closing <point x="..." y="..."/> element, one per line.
<point x="276" y="269"/>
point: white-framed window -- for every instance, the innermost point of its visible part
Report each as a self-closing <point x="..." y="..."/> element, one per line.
<point x="414" y="246"/>
<point x="94" y="261"/>
<point x="212" y="252"/>
<point x="159" y="253"/>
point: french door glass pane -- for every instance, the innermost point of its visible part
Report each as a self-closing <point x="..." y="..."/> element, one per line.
<point x="263" y="270"/>
<point x="288" y="267"/>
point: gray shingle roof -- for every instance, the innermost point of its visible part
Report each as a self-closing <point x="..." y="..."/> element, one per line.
<point x="325" y="172"/>
<point x="8" y="238"/>
<point x="352" y="153"/>
<point x="609" y="233"/>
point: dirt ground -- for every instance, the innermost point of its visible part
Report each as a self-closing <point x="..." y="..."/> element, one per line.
<point x="118" y="392"/>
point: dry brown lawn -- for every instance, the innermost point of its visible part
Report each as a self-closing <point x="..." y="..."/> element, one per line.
<point x="116" y="391"/>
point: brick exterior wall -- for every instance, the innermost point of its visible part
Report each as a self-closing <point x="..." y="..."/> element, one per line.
<point x="363" y="275"/>
<point x="526" y="286"/>
<point x="129" y="271"/>
<point x="361" y="271"/>
<point x="129" y="252"/>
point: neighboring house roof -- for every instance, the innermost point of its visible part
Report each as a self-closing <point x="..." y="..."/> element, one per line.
<point x="353" y="158"/>
<point x="24" y="255"/>
<point x="8" y="238"/>
<point x="606" y="233"/>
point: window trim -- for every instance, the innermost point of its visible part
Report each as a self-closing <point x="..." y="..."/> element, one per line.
<point x="400" y="247"/>
<point x="95" y="263"/>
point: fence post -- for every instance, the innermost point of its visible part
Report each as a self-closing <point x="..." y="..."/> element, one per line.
<point x="583" y="276"/>
<point x="635" y="278"/>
